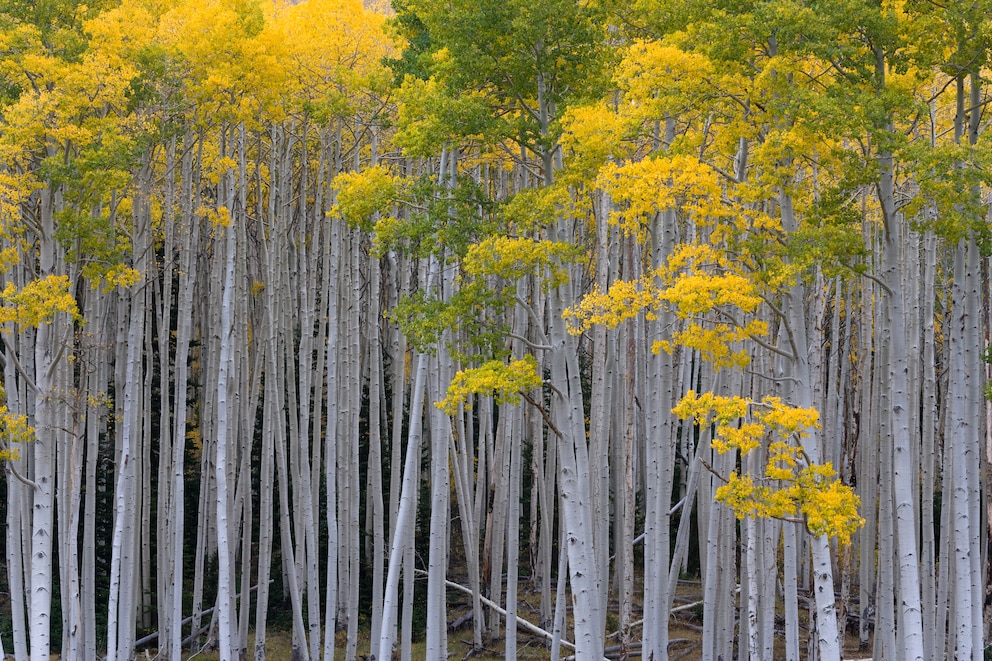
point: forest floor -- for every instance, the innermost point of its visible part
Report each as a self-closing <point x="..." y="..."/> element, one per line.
<point x="685" y="634"/>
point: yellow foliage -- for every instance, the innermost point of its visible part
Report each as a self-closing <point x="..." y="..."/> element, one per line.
<point x="699" y="292"/>
<point x="8" y="257"/>
<point x="121" y="31"/>
<point x="748" y="498"/>
<point x="830" y="507"/>
<point x="504" y="380"/>
<point x="254" y="59"/>
<point x="220" y="167"/>
<point x="694" y="283"/>
<point x="14" y="429"/>
<point x="660" y="80"/>
<point x="38" y="301"/>
<point x="360" y="195"/>
<point x="594" y="133"/>
<point x="624" y="300"/>
<point x="745" y="436"/>
<point x="515" y="257"/>
<point x="652" y="185"/>
<point x="334" y="46"/>
<point x="216" y="216"/>
<point x="707" y="407"/>
<point x="789" y="487"/>
<point x="118" y="275"/>
<point x="787" y="419"/>
<point x="714" y="344"/>
<point x="534" y="208"/>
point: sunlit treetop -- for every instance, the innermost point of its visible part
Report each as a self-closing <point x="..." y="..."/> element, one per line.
<point x="58" y="25"/>
<point x="335" y="53"/>
<point x="69" y="124"/>
<point x="233" y="64"/>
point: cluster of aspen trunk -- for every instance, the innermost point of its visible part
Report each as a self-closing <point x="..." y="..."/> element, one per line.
<point x="258" y="358"/>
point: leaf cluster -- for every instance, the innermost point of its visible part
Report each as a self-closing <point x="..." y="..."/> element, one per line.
<point x="504" y="381"/>
<point x="789" y="486"/>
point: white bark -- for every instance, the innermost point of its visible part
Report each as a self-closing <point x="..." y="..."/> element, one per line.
<point x="227" y="644"/>
<point x="575" y="490"/>
<point x="904" y="501"/>
<point x="123" y="587"/>
<point x="440" y="433"/>
<point x="331" y="445"/>
<point x="804" y="340"/>
<point x="407" y="506"/>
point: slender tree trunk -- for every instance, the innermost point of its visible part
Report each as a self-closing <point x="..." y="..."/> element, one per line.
<point x="407" y="507"/>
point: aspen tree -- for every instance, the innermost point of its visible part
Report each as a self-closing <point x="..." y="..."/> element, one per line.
<point x="376" y="400"/>
<point x="226" y="412"/>
<point x="399" y="540"/>
<point x="48" y="118"/>
<point x="786" y="205"/>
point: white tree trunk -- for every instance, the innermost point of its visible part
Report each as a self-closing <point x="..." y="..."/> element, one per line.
<point x="407" y="504"/>
<point x="227" y="645"/>
<point x="905" y="503"/>
<point x="575" y="491"/>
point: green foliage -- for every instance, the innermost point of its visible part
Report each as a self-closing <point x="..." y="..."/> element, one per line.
<point x="414" y="59"/>
<point x="503" y="54"/>
<point x="431" y="115"/>
<point x="434" y="217"/>
<point x="158" y="84"/>
<point x="423" y="318"/>
<point x="987" y="358"/>
<point x="60" y="22"/>
<point x="950" y="178"/>
<point x="830" y="238"/>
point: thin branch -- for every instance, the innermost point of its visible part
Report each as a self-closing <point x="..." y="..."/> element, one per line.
<point x="532" y="628"/>
<point x="533" y="316"/>
<point x="720" y="171"/>
<point x="12" y="354"/>
<point x="544" y="414"/>
<point x="20" y="478"/>
<point x="58" y="356"/>
<point x="154" y="636"/>
<point x="757" y="340"/>
<point x="532" y="345"/>
<point x="711" y="470"/>
<point x="878" y="282"/>
<point x="788" y="329"/>
<point x="790" y="379"/>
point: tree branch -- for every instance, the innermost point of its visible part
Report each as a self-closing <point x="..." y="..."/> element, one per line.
<point x="544" y="414"/>
<point x="532" y="628"/>
<point x="20" y="478"/>
<point x="532" y="345"/>
<point x="12" y="354"/>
